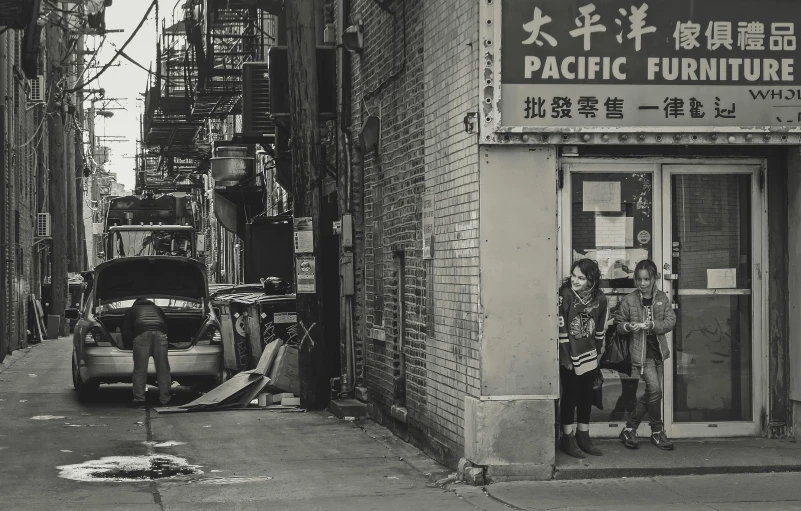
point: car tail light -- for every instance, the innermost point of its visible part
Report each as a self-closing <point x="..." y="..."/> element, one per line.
<point x="211" y="336"/>
<point x="96" y="337"/>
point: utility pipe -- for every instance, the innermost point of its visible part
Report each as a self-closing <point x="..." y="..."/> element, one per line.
<point x="348" y="380"/>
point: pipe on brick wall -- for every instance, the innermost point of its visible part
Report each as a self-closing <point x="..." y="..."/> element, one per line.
<point x="3" y="202"/>
<point x="348" y="380"/>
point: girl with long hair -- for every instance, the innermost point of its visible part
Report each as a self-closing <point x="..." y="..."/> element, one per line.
<point x="646" y="314"/>
<point x="582" y="324"/>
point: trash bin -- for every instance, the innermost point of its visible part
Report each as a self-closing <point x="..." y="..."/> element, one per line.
<point x="271" y="317"/>
<point x="233" y="329"/>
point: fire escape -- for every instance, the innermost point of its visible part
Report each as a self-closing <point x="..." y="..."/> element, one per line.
<point x="173" y="159"/>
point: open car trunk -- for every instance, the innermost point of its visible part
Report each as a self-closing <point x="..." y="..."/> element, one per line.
<point x="182" y="325"/>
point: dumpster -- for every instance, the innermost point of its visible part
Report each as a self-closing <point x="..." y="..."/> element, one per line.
<point x="233" y="329"/>
<point x="270" y="318"/>
<point x="238" y="308"/>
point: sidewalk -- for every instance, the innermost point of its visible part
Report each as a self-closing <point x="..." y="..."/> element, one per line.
<point x="718" y="456"/>
<point x="719" y="474"/>
<point x="10" y="359"/>
<point x="730" y="492"/>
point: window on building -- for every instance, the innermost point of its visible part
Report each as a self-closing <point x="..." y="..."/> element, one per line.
<point x="378" y="254"/>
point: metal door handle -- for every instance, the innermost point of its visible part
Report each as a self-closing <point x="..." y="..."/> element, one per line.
<point x="671" y="276"/>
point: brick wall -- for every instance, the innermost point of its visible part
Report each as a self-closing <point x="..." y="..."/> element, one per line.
<point x="23" y="137"/>
<point x="452" y="351"/>
<point x="419" y="333"/>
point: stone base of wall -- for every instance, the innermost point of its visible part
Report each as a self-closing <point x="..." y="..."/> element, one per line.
<point x="511" y="439"/>
<point x="413" y="433"/>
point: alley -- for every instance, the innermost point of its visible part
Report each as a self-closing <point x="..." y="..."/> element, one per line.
<point x="247" y="459"/>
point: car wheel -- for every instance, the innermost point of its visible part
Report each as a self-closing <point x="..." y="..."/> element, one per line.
<point x="85" y="390"/>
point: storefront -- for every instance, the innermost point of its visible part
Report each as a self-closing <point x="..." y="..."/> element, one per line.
<point x="703" y="222"/>
<point x="621" y="131"/>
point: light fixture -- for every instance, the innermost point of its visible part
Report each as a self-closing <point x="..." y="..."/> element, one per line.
<point x="370" y="136"/>
<point x="353" y="36"/>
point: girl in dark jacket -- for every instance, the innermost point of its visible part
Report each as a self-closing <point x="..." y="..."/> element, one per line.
<point x="647" y="316"/>
<point x="582" y="323"/>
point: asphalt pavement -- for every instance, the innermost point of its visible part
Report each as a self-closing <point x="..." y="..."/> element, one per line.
<point x="57" y="453"/>
<point x="246" y="459"/>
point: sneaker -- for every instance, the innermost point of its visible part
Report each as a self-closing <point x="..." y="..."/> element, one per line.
<point x="629" y="438"/>
<point x="660" y="439"/>
<point x="137" y="404"/>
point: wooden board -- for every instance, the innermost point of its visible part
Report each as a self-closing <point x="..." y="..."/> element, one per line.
<point x="37" y="318"/>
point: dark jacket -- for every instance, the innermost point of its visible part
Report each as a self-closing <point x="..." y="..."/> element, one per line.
<point x="143" y="316"/>
<point x="632" y="310"/>
<point x="581" y="330"/>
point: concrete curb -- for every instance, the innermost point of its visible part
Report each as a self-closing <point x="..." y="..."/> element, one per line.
<point x="13" y="358"/>
<point x="617" y="473"/>
<point x="481" y="498"/>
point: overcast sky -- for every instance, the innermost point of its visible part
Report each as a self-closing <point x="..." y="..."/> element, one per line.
<point x="126" y="82"/>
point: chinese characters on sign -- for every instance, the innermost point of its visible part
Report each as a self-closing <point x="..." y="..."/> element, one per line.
<point x="568" y="63"/>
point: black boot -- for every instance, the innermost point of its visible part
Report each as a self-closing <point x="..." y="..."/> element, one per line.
<point x="585" y="444"/>
<point x="570" y="446"/>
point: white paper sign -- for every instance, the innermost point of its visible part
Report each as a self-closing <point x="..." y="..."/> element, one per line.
<point x="285" y="317"/>
<point x="601" y="196"/>
<point x="724" y="278"/>
<point x="305" y="278"/>
<point x="614" y="231"/>
<point x="304" y="236"/>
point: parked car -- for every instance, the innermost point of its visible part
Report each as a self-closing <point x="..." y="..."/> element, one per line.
<point x="178" y="285"/>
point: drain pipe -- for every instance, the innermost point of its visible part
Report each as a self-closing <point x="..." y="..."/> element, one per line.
<point x="348" y="380"/>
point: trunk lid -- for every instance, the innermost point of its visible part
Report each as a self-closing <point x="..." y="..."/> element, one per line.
<point x="150" y="277"/>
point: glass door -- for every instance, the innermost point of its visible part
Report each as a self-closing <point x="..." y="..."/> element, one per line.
<point x="611" y="213"/>
<point x="711" y="271"/>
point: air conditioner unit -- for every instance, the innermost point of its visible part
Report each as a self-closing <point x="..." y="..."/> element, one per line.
<point x="256" y="100"/>
<point x="37" y="94"/>
<point x="43" y="225"/>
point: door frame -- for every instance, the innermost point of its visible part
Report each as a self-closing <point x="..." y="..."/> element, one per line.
<point x="759" y="322"/>
<point x="661" y="253"/>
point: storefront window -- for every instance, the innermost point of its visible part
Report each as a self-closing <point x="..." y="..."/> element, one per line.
<point x="613" y="224"/>
<point x="712" y="258"/>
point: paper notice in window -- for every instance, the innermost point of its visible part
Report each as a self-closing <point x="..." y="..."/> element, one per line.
<point x="614" y="231"/>
<point x="724" y="278"/>
<point x="601" y="196"/>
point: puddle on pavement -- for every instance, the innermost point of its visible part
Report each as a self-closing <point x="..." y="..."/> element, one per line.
<point x="168" y="443"/>
<point x="47" y="417"/>
<point x="129" y="469"/>
<point x="234" y="480"/>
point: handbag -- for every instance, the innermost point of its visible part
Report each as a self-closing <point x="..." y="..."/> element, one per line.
<point x="617" y="355"/>
<point x="598" y="390"/>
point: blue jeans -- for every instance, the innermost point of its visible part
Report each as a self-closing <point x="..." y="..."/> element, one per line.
<point x="145" y="345"/>
<point x="653" y="374"/>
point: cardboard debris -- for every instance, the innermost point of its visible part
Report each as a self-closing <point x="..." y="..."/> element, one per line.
<point x="240" y="390"/>
<point x="284" y="375"/>
<point x="268" y="356"/>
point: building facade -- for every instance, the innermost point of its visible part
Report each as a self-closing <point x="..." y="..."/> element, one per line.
<point x="517" y="137"/>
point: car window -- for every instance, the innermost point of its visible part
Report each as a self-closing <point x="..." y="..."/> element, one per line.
<point x="164" y="303"/>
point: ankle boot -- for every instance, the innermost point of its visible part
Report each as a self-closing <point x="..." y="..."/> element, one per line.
<point x="585" y="444"/>
<point x="570" y="447"/>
